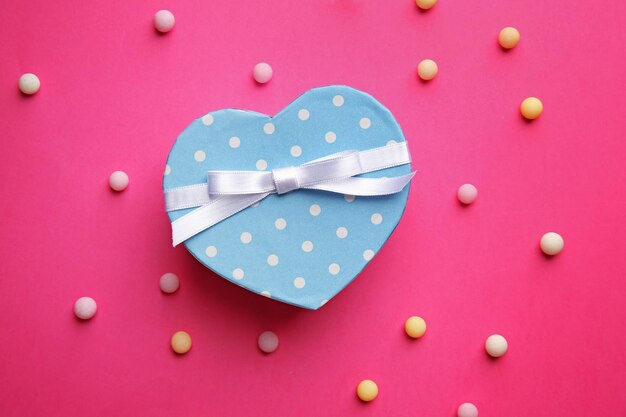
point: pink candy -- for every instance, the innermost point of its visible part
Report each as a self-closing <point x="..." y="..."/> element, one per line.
<point x="169" y="283"/>
<point x="467" y="410"/>
<point x="85" y="308"/>
<point x="164" y="21"/>
<point x="467" y="193"/>
<point x="262" y="72"/>
<point x="268" y="342"/>
<point x="118" y="180"/>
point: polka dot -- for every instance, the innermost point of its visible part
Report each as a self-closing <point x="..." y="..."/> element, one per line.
<point x="168" y="170"/>
<point x="238" y="273"/>
<point x="207" y="120"/>
<point x="234" y="142"/>
<point x="246" y="237"/>
<point x="338" y="101"/>
<point x="299" y="282"/>
<point x="266" y="294"/>
<point x="307" y="246"/>
<point x="315" y="210"/>
<point x="349" y="198"/>
<point x="296" y="151"/>
<point x="272" y="260"/>
<point x="269" y="128"/>
<point x="261" y="164"/>
<point x="330" y="137"/>
<point x="211" y="251"/>
<point x="199" y="156"/>
<point x="365" y="123"/>
<point x="304" y="114"/>
<point x="368" y="254"/>
<point x="334" y="269"/>
<point x="323" y="302"/>
<point x="342" y="232"/>
<point x="376" y="218"/>
<point x="280" y="223"/>
<point x="391" y="142"/>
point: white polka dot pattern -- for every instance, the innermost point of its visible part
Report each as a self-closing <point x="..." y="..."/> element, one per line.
<point x="199" y="156"/>
<point x="304" y="114"/>
<point x="296" y="151"/>
<point x="269" y="128"/>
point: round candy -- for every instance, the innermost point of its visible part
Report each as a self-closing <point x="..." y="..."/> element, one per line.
<point x="427" y="69"/>
<point x="29" y="83"/>
<point x="508" y="37"/>
<point x="531" y="108"/>
<point x="467" y="193"/>
<point x="262" y="72"/>
<point x="425" y="4"/>
<point x="467" y="410"/>
<point x="496" y="345"/>
<point x="181" y="342"/>
<point x="164" y="21"/>
<point x="415" y="327"/>
<point x="367" y="390"/>
<point x="85" y="308"/>
<point x="169" y="283"/>
<point x="118" y="180"/>
<point x="551" y="243"/>
<point x="268" y="342"/>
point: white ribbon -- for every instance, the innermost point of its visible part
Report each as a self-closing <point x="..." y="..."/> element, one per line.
<point x="228" y="192"/>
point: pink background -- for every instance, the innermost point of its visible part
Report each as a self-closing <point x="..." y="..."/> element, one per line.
<point x="115" y="95"/>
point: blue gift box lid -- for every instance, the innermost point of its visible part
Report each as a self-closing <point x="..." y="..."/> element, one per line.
<point x="305" y="246"/>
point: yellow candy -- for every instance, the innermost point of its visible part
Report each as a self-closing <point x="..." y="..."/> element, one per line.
<point x="531" y="108"/>
<point x="181" y="342"/>
<point x="425" y="4"/>
<point x="427" y="69"/>
<point x="415" y="327"/>
<point x="367" y="390"/>
<point x="508" y="38"/>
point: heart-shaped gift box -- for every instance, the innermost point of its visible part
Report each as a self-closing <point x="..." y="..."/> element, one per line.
<point x="304" y="246"/>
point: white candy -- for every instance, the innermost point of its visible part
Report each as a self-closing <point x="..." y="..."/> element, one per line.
<point x="29" y="83"/>
<point x="85" y="308"/>
<point x="496" y="345"/>
<point x="551" y="243"/>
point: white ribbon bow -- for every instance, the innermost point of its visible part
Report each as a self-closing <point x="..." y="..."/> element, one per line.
<point x="228" y="192"/>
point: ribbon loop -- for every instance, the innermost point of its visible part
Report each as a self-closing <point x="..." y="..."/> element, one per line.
<point x="228" y="192"/>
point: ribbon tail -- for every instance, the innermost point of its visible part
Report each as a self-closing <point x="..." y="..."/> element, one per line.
<point x="203" y="217"/>
<point x="366" y="187"/>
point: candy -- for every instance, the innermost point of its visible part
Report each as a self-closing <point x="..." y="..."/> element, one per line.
<point x="508" y="37"/>
<point x="427" y="69"/>
<point x="29" y="83"/>
<point x="496" y="345"/>
<point x="118" y="180"/>
<point x="467" y="193"/>
<point x="181" y="342"/>
<point x="415" y="327"/>
<point x="425" y="4"/>
<point x="164" y="21"/>
<point x="262" y="72"/>
<point x="551" y="243"/>
<point x="169" y="283"/>
<point x="531" y="108"/>
<point x="268" y="341"/>
<point x="367" y="390"/>
<point x="467" y="410"/>
<point x="85" y="308"/>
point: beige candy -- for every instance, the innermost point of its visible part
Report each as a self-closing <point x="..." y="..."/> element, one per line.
<point x="181" y="342"/>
